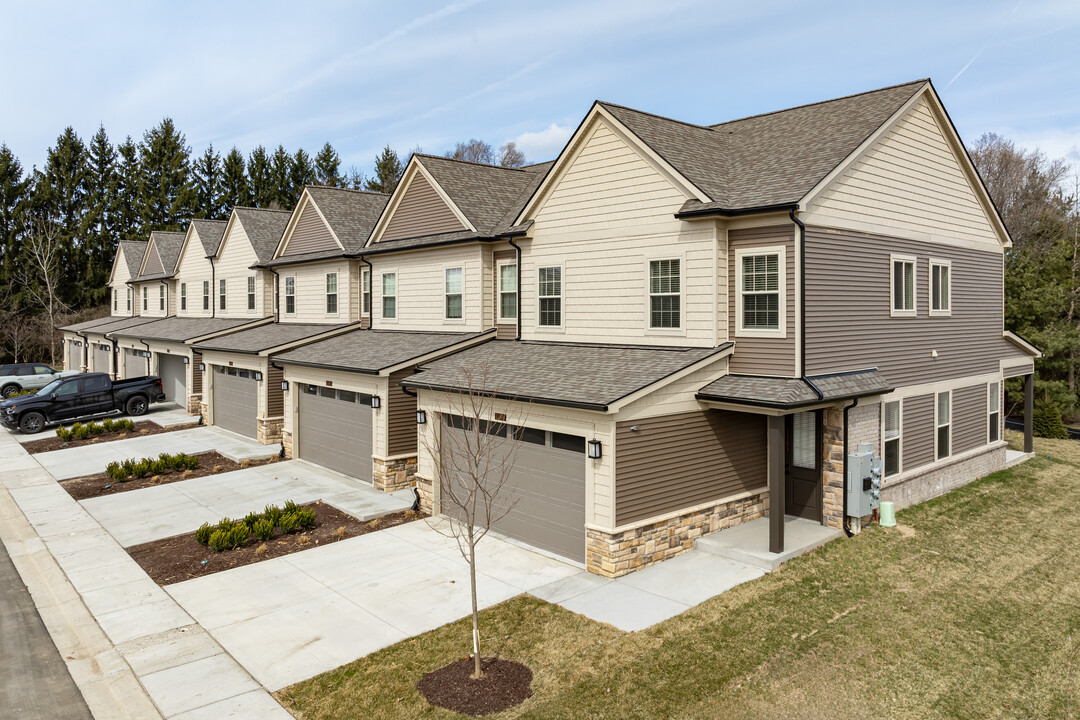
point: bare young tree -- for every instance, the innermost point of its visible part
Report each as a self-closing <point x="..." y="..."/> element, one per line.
<point x="41" y="276"/>
<point x="475" y="449"/>
<point x="474" y="150"/>
<point x="510" y="156"/>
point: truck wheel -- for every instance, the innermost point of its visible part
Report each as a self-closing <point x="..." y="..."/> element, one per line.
<point x="136" y="405"/>
<point x="9" y="390"/>
<point x="32" y="422"/>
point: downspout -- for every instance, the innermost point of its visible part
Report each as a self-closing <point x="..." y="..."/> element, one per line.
<point x="371" y="289"/>
<point x="148" y="354"/>
<point x="86" y="349"/>
<point x="517" y="247"/>
<point x="281" y="452"/>
<point x="277" y="300"/>
<point x="844" y="520"/>
<point x="213" y="288"/>
<point x="166" y="284"/>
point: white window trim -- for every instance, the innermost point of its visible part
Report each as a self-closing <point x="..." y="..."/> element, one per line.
<point x="649" y="329"/>
<point x="899" y="437"/>
<point x="931" y="264"/>
<point x="206" y="296"/>
<point x="336" y="294"/>
<point x="446" y="319"/>
<point x="145" y="300"/>
<point x="115" y="300"/>
<point x="740" y="253"/>
<point x="990" y="394"/>
<point x="914" y="311"/>
<point x="251" y="302"/>
<point x="183" y="296"/>
<point x="129" y="294"/>
<point x="288" y="294"/>
<point x="223" y="293"/>
<point x="938" y="425"/>
<point x="396" y="295"/>
<point x="561" y="327"/>
<point x="365" y="274"/>
<point x="499" y="293"/>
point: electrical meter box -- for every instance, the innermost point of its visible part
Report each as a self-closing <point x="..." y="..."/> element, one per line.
<point x="863" y="481"/>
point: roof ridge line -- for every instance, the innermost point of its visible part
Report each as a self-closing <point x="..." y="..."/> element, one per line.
<point x="659" y="117"/>
<point x="472" y="162"/>
<point x="351" y="190"/>
<point x="249" y="207"/>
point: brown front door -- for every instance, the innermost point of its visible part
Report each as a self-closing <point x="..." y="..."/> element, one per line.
<point x="802" y="465"/>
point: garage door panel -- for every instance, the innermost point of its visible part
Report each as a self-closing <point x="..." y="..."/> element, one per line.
<point x="173" y="374"/>
<point x="334" y="430"/>
<point x="134" y="366"/>
<point x="236" y="401"/>
<point x="101" y="358"/>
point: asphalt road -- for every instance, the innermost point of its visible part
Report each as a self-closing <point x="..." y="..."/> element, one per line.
<point x="34" y="682"/>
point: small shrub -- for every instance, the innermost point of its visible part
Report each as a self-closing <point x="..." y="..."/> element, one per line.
<point x="289" y="522"/>
<point x="115" y="471"/>
<point x="263" y="529"/>
<point x="1047" y="423"/>
<point x="63" y="433"/>
<point x="272" y="513"/>
<point x="219" y="541"/>
<point x="251" y="518"/>
<point x="202" y="535"/>
<point x="239" y="535"/>
<point x="305" y="517"/>
<point x="290" y="506"/>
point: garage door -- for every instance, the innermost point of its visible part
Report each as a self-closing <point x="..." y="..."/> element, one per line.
<point x="173" y="374"/>
<point x="236" y="400"/>
<point x="134" y="364"/>
<point x="546" y="487"/>
<point x="102" y="354"/>
<point x="75" y="352"/>
<point x="334" y="429"/>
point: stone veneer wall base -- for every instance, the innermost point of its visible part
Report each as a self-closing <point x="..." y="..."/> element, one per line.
<point x="393" y="474"/>
<point x="287" y="443"/>
<point x="269" y="430"/>
<point x="426" y="492"/>
<point x="194" y="404"/>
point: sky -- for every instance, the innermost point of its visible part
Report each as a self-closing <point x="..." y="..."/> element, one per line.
<point x="424" y="75"/>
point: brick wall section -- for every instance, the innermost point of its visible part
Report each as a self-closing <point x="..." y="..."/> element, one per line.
<point x="427" y="496"/>
<point x="614" y="555"/>
<point x="393" y="474"/>
<point x="864" y="426"/>
<point x="269" y="430"/>
<point x="944" y="478"/>
<point x="832" y="468"/>
<point x="194" y="404"/>
<point x="287" y="443"/>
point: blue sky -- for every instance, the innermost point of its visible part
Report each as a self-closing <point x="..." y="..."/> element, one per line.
<point x="427" y="74"/>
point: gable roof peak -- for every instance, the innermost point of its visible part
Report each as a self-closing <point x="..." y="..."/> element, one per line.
<point x="314" y="186"/>
<point x="443" y="158"/>
<point x="606" y="104"/>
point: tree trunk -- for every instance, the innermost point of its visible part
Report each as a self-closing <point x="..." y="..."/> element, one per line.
<point x="477" y="670"/>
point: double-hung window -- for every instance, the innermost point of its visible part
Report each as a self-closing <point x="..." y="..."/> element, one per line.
<point x="453" y="290"/>
<point x="115" y="299"/>
<point x="993" y="412"/>
<point x="129" y="299"/>
<point x="290" y="295"/>
<point x="221" y="294"/>
<point x="508" y="296"/>
<point x="389" y="296"/>
<point x="331" y="293"/>
<point x="251" y="292"/>
<point x="903" y="286"/>
<point x="549" y="293"/>
<point x="161" y="297"/>
<point x="183" y="296"/>
<point x="205" y="294"/>
<point x="891" y="427"/>
<point x="940" y="293"/>
<point x="145" y="295"/>
<point x="665" y="294"/>
<point x="944" y="424"/>
<point x="365" y="292"/>
<point x="760" y="283"/>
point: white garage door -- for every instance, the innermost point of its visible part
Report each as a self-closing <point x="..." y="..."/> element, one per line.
<point x="134" y="364"/>
<point x="235" y="400"/>
<point x="334" y="429"/>
<point x="102" y="355"/>
<point x="173" y="374"/>
<point x="546" y="485"/>
<point x="74" y="355"/>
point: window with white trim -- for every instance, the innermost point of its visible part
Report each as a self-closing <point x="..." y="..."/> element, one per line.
<point x="389" y="296"/>
<point x="183" y="296"/>
<point x="251" y="292"/>
<point x="891" y="432"/>
<point x="205" y="294"/>
<point x="331" y="293"/>
<point x="365" y="291"/>
<point x="944" y="424"/>
<point x="761" y="300"/>
<point x="115" y="300"/>
<point x="161" y="297"/>
<point x="145" y="295"/>
<point x="221" y="294"/>
<point x="902" y="286"/>
<point x="129" y="299"/>
<point x="665" y="294"/>
<point x="508" y="295"/>
<point x="290" y="295"/>
<point x="549" y="294"/>
<point x="940" y="288"/>
<point x="452" y="288"/>
<point x="993" y="412"/>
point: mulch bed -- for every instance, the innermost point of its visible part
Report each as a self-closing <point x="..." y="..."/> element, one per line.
<point x="179" y="558"/>
<point x="210" y="463"/>
<point x="503" y="685"/>
<point x="142" y="428"/>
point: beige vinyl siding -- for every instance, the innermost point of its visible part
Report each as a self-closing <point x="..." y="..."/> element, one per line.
<point x="400" y="416"/>
<point x="681" y="461"/>
<point x="758" y="355"/>
<point x="310" y="234"/>
<point x="153" y="298"/>
<point x="421" y="211"/>
<point x="848" y="323"/>
<point x="120" y="287"/>
<point x="606" y="216"/>
<point x="275" y="398"/>
<point x="421" y="279"/>
<point x="193" y="268"/>
<point x="918" y="432"/>
<point x="234" y="266"/>
<point x="311" y="292"/>
<point x="969" y="418"/>
<point x="910" y="178"/>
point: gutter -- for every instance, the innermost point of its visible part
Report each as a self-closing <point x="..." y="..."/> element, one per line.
<point x="734" y="212"/>
<point x="600" y="407"/>
<point x="517" y="335"/>
<point x="781" y="406"/>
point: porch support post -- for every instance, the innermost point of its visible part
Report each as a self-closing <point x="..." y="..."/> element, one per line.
<point x="777" y="501"/>
<point x="1029" y="412"/>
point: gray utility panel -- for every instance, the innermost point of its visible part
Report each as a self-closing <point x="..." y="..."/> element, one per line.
<point x="333" y="429"/>
<point x="863" y="481"/>
<point x="235" y="400"/>
<point x="102" y="355"/>
<point x="546" y="487"/>
<point x="134" y="364"/>
<point x="173" y="373"/>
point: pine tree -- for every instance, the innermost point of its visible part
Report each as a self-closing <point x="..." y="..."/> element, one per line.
<point x="234" y="183"/>
<point x="128" y="216"/>
<point x="14" y="190"/>
<point x="206" y="173"/>
<point x="260" y="189"/>
<point x="167" y="194"/>
<point x="99" y="224"/>
<point x="328" y="167"/>
<point x="61" y="202"/>
<point x="280" y="176"/>
<point x="388" y="170"/>
<point x="303" y="173"/>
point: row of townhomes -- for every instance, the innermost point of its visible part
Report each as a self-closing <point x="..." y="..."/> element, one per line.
<point x="697" y="323"/>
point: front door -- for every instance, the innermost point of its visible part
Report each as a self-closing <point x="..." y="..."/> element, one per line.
<point x="802" y="465"/>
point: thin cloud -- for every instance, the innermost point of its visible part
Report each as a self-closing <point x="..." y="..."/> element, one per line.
<point x="544" y="144"/>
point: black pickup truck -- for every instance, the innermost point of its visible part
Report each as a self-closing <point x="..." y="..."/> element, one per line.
<point x="84" y="395"/>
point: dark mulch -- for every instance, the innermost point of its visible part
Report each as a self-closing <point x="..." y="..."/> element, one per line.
<point x="504" y="684"/>
<point x="144" y="427"/>
<point x="179" y="558"/>
<point x="210" y="463"/>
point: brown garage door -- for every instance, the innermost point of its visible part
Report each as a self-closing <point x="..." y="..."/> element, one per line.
<point x="236" y="400"/>
<point x="547" y="483"/>
<point x="102" y="355"/>
<point x="334" y="429"/>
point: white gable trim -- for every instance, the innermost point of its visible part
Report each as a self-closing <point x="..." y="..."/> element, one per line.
<point x="1022" y="344"/>
<point x="150" y="245"/>
<point x="294" y="219"/>
<point x="577" y="142"/>
<point x="191" y="231"/>
<point x="411" y="170"/>
<point x="233" y="219"/>
<point x="115" y="262"/>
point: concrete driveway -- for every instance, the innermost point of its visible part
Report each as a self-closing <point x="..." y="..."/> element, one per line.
<point x="163" y="414"/>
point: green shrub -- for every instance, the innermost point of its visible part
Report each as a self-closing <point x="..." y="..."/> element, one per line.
<point x="218" y="541"/>
<point x="1047" y="423"/>
<point x="226" y="524"/>
<point x="272" y="513"/>
<point x="203" y="533"/>
<point x="239" y="535"/>
<point x="263" y="529"/>
<point x="116" y="471"/>
<point x="289" y="522"/>
<point x="290" y="506"/>
<point x="305" y="518"/>
<point x="251" y="518"/>
<point x="63" y="433"/>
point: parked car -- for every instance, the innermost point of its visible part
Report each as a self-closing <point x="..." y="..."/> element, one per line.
<point x="28" y="376"/>
<point x="68" y="398"/>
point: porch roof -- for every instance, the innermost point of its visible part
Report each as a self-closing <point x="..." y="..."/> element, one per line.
<point x="370" y="351"/>
<point x="178" y="329"/>
<point x="106" y="324"/>
<point x="791" y="393"/>
<point x="253" y="341"/>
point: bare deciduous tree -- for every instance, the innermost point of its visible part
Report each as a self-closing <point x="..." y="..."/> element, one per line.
<point x="476" y="151"/>
<point x="510" y="156"/>
<point x="475" y="449"/>
<point x="41" y="276"/>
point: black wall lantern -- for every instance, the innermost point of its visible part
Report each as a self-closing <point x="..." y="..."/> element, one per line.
<point x="187" y="361"/>
<point x="284" y="385"/>
<point x="596" y="449"/>
<point x="202" y="367"/>
<point x="257" y="375"/>
<point x="421" y="417"/>
<point x="376" y="401"/>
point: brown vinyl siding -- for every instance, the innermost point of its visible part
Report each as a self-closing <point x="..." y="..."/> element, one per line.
<point x="421" y="212"/>
<point x="153" y="262"/>
<point x="763" y="356"/>
<point x="968" y="418"/>
<point x="310" y="234"/>
<point x="848" y="320"/>
<point x="680" y="461"/>
<point x="400" y="416"/>
<point x="196" y="373"/>
<point x="918" y="432"/>
<point x="275" y="398"/>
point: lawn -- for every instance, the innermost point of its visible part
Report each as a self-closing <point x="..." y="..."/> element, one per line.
<point x="964" y="610"/>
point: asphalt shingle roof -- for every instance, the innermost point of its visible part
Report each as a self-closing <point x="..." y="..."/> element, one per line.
<point x="369" y="351"/>
<point x="168" y="245"/>
<point x="178" y="329"/>
<point x="548" y="373"/>
<point x="210" y="234"/>
<point x="352" y="214"/>
<point x="133" y="251"/>
<point x="793" y="392"/>
<point x="265" y="337"/>
<point x="264" y="229"/>
<point x="105" y="324"/>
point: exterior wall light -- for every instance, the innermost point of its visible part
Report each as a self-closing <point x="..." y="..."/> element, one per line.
<point x="202" y="367"/>
<point x="257" y="375"/>
<point x="595" y="449"/>
<point x="146" y="354"/>
<point x="421" y="417"/>
<point x="376" y="402"/>
<point x="284" y="385"/>
<point x="187" y="361"/>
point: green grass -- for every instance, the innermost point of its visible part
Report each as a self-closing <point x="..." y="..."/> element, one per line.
<point x="965" y="610"/>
